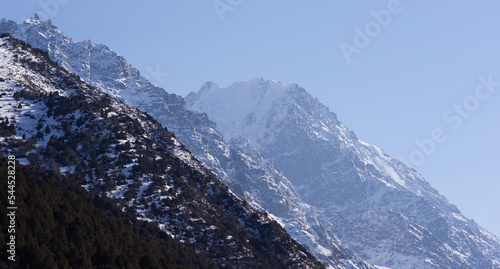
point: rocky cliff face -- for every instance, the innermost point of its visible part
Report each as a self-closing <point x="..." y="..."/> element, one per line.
<point x="54" y="120"/>
<point x="236" y="162"/>
<point x="375" y="204"/>
<point x="284" y="152"/>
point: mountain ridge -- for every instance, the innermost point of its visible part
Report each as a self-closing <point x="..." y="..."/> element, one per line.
<point x="195" y="130"/>
<point x="365" y="193"/>
<point x="355" y="184"/>
<point x="63" y="124"/>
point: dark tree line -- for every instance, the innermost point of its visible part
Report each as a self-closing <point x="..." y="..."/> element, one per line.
<point x="60" y="225"/>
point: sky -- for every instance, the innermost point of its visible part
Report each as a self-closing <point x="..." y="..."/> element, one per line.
<point x="420" y="79"/>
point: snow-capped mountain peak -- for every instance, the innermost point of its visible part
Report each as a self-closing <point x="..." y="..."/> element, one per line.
<point x="353" y="184"/>
<point x="282" y="151"/>
<point x="257" y="104"/>
<point x="249" y="102"/>
<point x="237" y="163"/>
<point x="51" y="119"/>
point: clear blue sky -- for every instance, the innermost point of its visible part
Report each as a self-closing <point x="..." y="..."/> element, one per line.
<point x="402" y="76"/>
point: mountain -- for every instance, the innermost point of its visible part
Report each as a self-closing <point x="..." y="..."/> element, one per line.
<point x="236" y="162"/>
<point x="60" y="225"/>
<point x="54" y="120"/>
<point x="382" y="209"/>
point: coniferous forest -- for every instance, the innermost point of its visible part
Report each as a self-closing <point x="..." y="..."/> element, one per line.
<point x="60" y="225"/>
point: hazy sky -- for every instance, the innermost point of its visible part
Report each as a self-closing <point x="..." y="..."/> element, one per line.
<point x="395" y="72"/>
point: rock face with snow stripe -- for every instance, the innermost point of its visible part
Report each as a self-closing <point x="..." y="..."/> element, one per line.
<point x="109" y="72"/>
<point x="375" y="204"/>
<point x="51" y="118"/>
<point x="237" y="163"/>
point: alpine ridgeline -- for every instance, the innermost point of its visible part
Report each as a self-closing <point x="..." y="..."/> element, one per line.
<point x="237" y="162"/>
<point x="54" y="120"/>
<point x="382" y="209"/>
<point x="334" y="194"/>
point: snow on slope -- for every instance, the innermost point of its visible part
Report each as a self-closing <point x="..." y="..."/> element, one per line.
<point x="378" y="206"/>
<point x="237" y="163"/>
<point x="251" y="108"/>
<point x="117" y="150"/>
